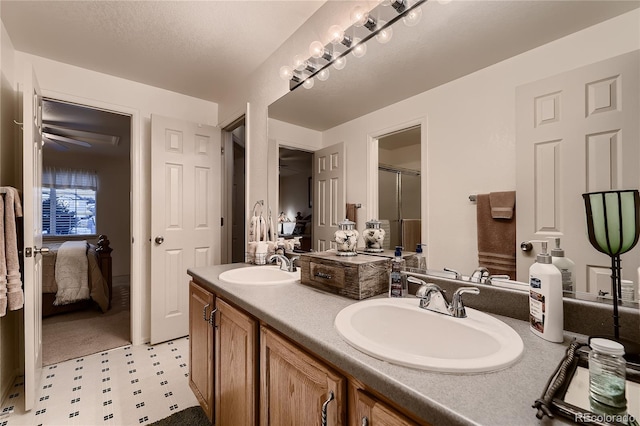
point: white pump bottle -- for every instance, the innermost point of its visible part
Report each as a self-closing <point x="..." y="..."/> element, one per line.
<point x="545" y="298"/>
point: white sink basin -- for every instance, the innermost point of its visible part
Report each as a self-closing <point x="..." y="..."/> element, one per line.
<point x="398" y="331"/>
<point x="259" y="275"/>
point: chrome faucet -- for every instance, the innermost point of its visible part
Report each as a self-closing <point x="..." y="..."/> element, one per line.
<point x="286" y="264"/>
<point x="497" y="277"/>
<point x="457" y="274"/>
<point x="433" y="298"/>
<point x="480" y="275"/>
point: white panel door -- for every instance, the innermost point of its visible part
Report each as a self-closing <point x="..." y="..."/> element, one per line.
<point x="329" y="187"/>
<point x="185" y="217"/>
<point x="576" y="132"/>
<point x="32" y="213"/>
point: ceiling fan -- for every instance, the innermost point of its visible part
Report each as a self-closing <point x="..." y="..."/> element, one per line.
<point x="61" y="137"/>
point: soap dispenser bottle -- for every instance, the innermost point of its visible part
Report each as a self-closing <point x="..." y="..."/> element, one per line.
<point x="545" y="298"/>
<point x="397" y="282"/>
<point x="421" y="259"/>
<point x="565" y="265"/>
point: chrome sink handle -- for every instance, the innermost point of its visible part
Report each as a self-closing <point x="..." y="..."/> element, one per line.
<point x="292" y="263"/>
<point x="458" y="275"/>
<point x="457" y="307"/>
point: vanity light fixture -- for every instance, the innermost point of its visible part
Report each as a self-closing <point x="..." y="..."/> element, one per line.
<point x="366" y="24"/>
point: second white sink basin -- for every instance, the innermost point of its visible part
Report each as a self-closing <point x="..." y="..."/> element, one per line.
<point x="400" y="332"/>
<point x="259" y="275"/>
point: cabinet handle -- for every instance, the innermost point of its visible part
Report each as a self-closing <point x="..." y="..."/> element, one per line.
<point x="365" y="421"/>
<point x="212" y="317"/>
<point x="204" y="312"/>
<point x="324" y="408"/>
<point x="323" y="275"/>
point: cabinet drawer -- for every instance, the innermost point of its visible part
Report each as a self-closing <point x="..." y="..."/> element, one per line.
<point x="332" y="276"/>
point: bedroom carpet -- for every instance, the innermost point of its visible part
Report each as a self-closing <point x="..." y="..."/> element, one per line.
<point x="81" y="333"/>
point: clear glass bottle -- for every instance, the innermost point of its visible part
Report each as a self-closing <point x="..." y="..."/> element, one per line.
<point x="346" y="238"/>
<point x="607" y="377"/>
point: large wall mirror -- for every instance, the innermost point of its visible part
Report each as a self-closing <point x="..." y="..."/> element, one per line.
<point x="456" y="74"/>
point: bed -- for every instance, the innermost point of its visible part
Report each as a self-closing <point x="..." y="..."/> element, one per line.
<point x="65" y="287"/>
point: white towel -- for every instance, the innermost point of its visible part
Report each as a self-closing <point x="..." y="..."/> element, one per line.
<point x="12" y="210"/>
<point x="3" y="264"/>
<point x="72" y="272"/>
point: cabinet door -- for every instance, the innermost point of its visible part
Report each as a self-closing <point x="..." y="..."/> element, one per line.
<point x="365" y="410"/>
<point x="236" y="367"/>
<point x="201" y="342"/>
<point x="294" y="387"/>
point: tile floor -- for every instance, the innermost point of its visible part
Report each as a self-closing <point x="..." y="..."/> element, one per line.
<point x="131" y="385"/>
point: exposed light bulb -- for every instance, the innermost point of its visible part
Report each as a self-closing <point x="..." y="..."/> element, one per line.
<point x="316" y="49"/>
<point x="299" y="62"/>
<point x="384" y="36"/>
<point x="359" y="16"/>
<point x="286" y="72"/>
<point x="308" y="83"/>
<point x="336" y="34"/>
<point x="339" y="63"/>
<point x="323" y="75"/>
<point x="360" y="49"/>
<point x="413" y="17"/>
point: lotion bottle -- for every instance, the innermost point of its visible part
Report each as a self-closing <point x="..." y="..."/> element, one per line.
<point x="565" y="265"/>
<point x="545" y="298"/>
<point x="397" y="282"/>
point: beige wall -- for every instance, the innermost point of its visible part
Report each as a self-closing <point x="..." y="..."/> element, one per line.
<point x="113" y="210"/>
<point x="10" y="325"/>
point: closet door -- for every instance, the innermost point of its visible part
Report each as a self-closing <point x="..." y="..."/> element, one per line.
<point x="576" y="132"/>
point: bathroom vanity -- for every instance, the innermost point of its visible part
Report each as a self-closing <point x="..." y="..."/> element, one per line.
<point x="270" y="355"/>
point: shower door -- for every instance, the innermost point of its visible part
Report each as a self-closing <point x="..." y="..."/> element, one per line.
<point x="399" y="199"/>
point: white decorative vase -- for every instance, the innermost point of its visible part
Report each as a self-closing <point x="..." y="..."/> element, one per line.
<point x="346" y="238"/>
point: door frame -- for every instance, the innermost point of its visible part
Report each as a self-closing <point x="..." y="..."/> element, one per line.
<point x="226" y="174"/>
<point x="138" y="190"/>
<point x="372" y="171"/>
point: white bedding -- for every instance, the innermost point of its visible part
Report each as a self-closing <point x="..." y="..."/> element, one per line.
<point x="71" y="272"/>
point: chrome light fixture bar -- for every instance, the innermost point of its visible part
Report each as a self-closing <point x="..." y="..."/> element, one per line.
<point x="352" y="39"/>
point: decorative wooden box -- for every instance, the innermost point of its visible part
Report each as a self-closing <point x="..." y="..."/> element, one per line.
<point x="356" y="277"/>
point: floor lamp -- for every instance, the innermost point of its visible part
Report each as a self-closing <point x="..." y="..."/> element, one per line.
<point x="613" y="225"/>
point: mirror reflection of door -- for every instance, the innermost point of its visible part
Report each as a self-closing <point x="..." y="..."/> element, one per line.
<point x="295" y="198"/>
<point x="399" y="191"/>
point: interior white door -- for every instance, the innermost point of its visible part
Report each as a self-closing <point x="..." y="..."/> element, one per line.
<point x="329" y="180"/>
<point x="32" y="214"/>
<point x="185" y="218"/>
<point x="576" y="132"/>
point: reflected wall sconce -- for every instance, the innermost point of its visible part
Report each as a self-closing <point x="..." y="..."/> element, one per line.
<point x="366" y="24"/>
<point x="613" y="226"/>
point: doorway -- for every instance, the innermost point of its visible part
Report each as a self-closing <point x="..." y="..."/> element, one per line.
<point x="234" y="146"/>
<point x="295" y="201"/>
<point x="399" y="187"/>
<point x="80" y="140"/>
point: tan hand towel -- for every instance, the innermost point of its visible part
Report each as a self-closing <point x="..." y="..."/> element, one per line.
<point x="502" y="204"/>
<point x="496" y="240"/>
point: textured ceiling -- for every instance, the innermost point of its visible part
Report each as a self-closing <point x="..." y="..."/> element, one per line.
<point x="198" y="48"/>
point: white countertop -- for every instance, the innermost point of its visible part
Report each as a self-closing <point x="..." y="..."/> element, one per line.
<point x="306" y="316"/>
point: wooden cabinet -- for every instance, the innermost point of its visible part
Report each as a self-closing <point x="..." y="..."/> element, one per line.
<point x="201" y="367"/>
<point x="222" y="359"/>
<point x="367" y="410"/>
<point x="239" y="375"/>
<point x="295" y="388"/>
<point x="236" y="367"/>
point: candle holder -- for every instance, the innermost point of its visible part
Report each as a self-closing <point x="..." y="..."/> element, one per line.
<point x="613" y="225"/>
